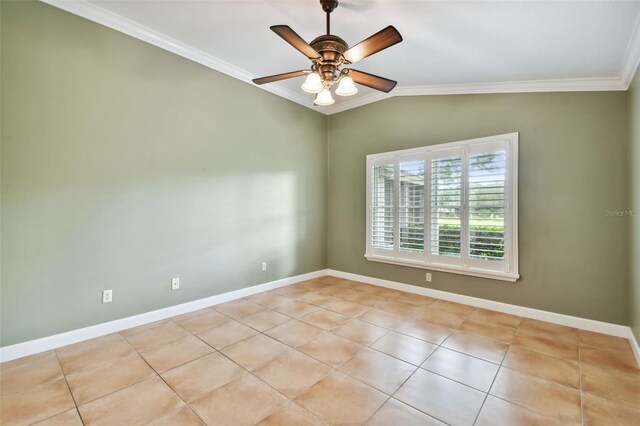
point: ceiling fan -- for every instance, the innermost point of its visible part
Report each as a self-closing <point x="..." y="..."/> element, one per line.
<point x="328" y="54"/>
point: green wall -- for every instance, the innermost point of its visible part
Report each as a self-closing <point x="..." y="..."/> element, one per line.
<point x="124" y="165"/>
<point x="634" y="158"/>
<point x="572" y="167"/>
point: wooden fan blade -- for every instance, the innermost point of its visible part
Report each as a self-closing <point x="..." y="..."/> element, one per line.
<point x="278" y="77"/>
<point x="374" y="44"/>
<point x="295" y="40"/>
<point x="379" y="83"/>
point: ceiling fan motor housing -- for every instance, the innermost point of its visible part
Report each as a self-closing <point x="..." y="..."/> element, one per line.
<point x="330" y="47"/>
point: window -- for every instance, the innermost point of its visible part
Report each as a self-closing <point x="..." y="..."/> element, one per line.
<point x="450" y="207"/>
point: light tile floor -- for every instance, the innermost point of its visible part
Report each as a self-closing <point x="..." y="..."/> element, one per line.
<point x="330" y="351"/>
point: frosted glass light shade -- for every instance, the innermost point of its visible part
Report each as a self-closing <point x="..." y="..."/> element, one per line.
<point x="313" y="84"/>
<point x="324" y="98"/>
<point x="346" y="87"/>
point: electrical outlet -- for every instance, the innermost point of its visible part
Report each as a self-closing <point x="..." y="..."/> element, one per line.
<point x="107" y="296"/>
<point x="264" y="266"/>
<point x="175" y="283"/>
<point x="428" y="277"/>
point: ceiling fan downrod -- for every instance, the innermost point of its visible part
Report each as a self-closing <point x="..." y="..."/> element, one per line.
<point x="329" y="6"/>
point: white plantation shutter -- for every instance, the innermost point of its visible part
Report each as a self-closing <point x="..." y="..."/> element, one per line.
<point x="487" y="205"/>
<point x="382" y="207"/>
<point x="446" y="199"/>
<point x="411" y="206"/>
<point x="449" y="207"/>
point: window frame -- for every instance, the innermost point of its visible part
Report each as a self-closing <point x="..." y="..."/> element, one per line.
<point x="465" y="265"/>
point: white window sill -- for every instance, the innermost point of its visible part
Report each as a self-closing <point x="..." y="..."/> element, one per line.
<point x="482" y="273"/>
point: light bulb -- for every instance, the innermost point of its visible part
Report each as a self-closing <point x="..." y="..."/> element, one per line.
<point x="313" y="84"/>
<point x="324" y="98"/>
<point x="346" y="87"/>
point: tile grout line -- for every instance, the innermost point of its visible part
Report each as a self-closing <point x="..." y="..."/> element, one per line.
<point x="502" y="366"/>
<point x="456" y="381"/>
<point x="164" y="381"/>
<point x="79" y="416"/>
<point x="337" y="368"/>
<point x="289" y="349"/>
<point x="408" y="378"/>
<point x="140" y="353"/>
<point x="418" y="366"/>
<point x="580" y="383"/>
<point x="117" y="390"/>
<point x="412" y="406"/>
<point x="377" y="409"/>
<point x="486" y="395"/>
<point x="219" y="351"/>
<point x="154" y="370"/>
<point x="64" y="376"/>
<point x="526" y="409"/>
<point x="457" y="328"/>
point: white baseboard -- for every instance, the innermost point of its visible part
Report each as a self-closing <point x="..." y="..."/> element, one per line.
<point x="570" y="321"/>
<point x="31" y="347"/>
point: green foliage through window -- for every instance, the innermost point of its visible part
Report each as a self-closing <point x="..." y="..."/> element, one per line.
<point x="487" y="241"/>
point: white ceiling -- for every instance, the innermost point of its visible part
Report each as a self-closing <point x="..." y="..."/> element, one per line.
<point x="448" y="47"/>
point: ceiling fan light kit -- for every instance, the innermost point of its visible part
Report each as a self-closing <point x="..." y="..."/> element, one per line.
<point x="324" y="98"/>
<point x="346" y="87"/>
<point x="329" y="54"/>
<point x="313" y="83"/>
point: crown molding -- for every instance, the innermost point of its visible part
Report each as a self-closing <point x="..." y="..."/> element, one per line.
<point x="95" y="13"/>
<point x="525" y="86"/>
<point x="530" y="86"/>
<point x="119" y="23"/>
